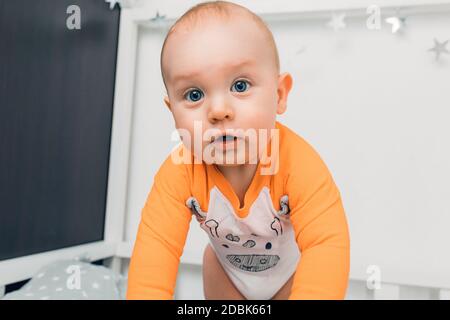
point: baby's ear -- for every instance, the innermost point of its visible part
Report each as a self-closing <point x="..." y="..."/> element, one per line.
<point x="284" y="86"/>
<point x="167" y="102"/>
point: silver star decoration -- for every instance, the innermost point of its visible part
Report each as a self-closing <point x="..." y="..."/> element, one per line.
<point x="439" y="47"/>
<point x="397" y="21"/>
<point x="112" y="3"/>
<point x="337" y="21"/>
<point x="158" y="17"/>
<point x="158" y="20"/>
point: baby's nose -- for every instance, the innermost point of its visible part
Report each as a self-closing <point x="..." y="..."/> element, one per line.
<point x="219" y="112"/>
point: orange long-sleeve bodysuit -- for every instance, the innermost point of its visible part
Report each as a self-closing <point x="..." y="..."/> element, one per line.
<point x="259" y="245"/>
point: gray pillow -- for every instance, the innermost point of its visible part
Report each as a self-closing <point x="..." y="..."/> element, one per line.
<point x="72" y="280"/>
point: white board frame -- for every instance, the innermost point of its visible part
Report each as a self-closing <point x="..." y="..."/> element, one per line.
<point x="18" y="269"/>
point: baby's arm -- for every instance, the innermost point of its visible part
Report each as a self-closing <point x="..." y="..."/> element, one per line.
<point x="321" y="230"/>
<point x="161" y="236"/>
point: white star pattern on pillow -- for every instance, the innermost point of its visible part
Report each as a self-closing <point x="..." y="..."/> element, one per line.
<point x="50" y="283"/>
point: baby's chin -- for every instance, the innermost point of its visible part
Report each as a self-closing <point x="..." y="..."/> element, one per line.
<point x="234" y="160"/>
<point x="229" y="164"/>
<point x="224" y="163"/>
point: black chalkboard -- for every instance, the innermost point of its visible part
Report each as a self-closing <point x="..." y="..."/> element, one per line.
<point x="56" y="108"/>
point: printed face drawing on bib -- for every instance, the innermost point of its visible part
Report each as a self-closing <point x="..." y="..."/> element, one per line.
<point x="247" y="251"/>
<point x="253" y="262"/>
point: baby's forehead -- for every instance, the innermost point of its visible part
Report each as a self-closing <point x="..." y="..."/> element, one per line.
<point x="249" y="36"/>
<point x="214" y="37"/>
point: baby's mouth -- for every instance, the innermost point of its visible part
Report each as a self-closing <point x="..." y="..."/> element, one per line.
<point x="224" y="138"/>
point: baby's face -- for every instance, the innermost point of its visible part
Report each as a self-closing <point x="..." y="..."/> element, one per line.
<point x="223" y="76"/>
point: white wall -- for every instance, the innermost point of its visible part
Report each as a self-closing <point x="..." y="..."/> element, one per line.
<point x="376" y="108"/>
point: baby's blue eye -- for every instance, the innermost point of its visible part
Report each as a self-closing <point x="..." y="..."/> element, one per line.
<point x="241" y="85"/>
<point x="194" y="95"/>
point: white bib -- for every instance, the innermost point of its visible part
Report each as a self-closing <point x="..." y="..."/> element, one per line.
<point x="258" y="252"/>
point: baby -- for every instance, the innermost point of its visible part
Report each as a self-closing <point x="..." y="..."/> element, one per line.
<point x="273" y="214"/>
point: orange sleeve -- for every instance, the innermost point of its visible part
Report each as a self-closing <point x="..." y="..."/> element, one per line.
<point x="321" y="230"/>
<point x="161" y="236"/>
